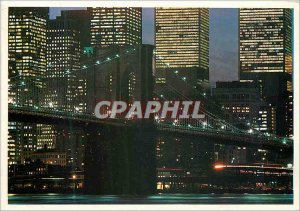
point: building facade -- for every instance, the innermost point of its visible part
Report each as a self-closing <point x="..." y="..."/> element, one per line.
<point x="27" y="54"/>
<point x="244" y="106"/>
<point x="266" y="55"/>
<point x="115" y="26"/>
<point x="50" y="157"/>
<point x="67" y="37"/>
<point x="265" y="40"/>
<point x="27" y="70"/>
<point x="182" y="42"/>
<point x="63" y="57"/>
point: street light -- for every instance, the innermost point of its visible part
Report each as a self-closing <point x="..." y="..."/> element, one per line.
<point x="75" y="183"/>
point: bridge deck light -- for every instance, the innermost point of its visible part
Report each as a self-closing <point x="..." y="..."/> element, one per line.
<point x="284" y="141"/>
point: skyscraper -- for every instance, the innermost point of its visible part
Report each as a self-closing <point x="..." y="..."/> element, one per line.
<point x="82" y="22"/>
<point x="27" y="68"/>
<point x="182" y="41"/>
<point x="266" y="56"/>
<point x="63" y="58"/>
<point x="265" y="41"/>
<point x="67" y="36"/>
<point x="115" y="26"/>
<point x="27" y="54"/>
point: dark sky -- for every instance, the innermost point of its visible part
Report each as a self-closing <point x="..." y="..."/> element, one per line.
<point x="223" y="35"/>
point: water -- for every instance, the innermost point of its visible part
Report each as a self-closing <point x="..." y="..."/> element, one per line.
<point x="156" y="199"/>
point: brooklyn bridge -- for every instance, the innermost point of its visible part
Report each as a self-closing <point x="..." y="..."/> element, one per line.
<point x="126" y="156"/>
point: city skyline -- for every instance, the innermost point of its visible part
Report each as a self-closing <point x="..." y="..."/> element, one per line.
<point x="223" y="34"/>
<point x="67" y="56"/>
<point x="65" y="73"/>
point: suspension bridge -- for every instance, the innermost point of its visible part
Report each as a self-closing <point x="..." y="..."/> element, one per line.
<point x="120" y="155"/>
<point x="212" y="126"/>
<point x="182" y="126"/>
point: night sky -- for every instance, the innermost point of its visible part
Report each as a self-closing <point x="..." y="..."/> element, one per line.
<point x="223" y="37"/>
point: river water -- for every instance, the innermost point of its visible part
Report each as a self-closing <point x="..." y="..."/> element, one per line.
<point x="156" y="199"/>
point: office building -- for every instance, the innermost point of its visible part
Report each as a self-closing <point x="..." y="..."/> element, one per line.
<point x="266" y="55"/>
<point x="182" y="42"/>
<point x="265" y="41"/>
<point x="82" y="23"/>
<point x="50" y="157"/>
<point x="244" y="106"/>
<point x="27" y="69"/>
<point x="63" y="58"/>
<point x="26" y="54"/>
<point x="115" y="26"/>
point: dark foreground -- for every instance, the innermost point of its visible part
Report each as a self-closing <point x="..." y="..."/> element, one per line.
<point x="157" y="199"/>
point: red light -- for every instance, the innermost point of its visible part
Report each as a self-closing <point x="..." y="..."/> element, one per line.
<point x="219" y="166"/>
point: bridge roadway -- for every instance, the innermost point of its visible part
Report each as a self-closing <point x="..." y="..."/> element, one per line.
<point x="47" y="116"/>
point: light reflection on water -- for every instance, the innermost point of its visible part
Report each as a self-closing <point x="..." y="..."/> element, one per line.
<point x="156" y="199"/>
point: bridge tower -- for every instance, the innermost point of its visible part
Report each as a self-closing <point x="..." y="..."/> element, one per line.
<point x="121" y="159"/>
